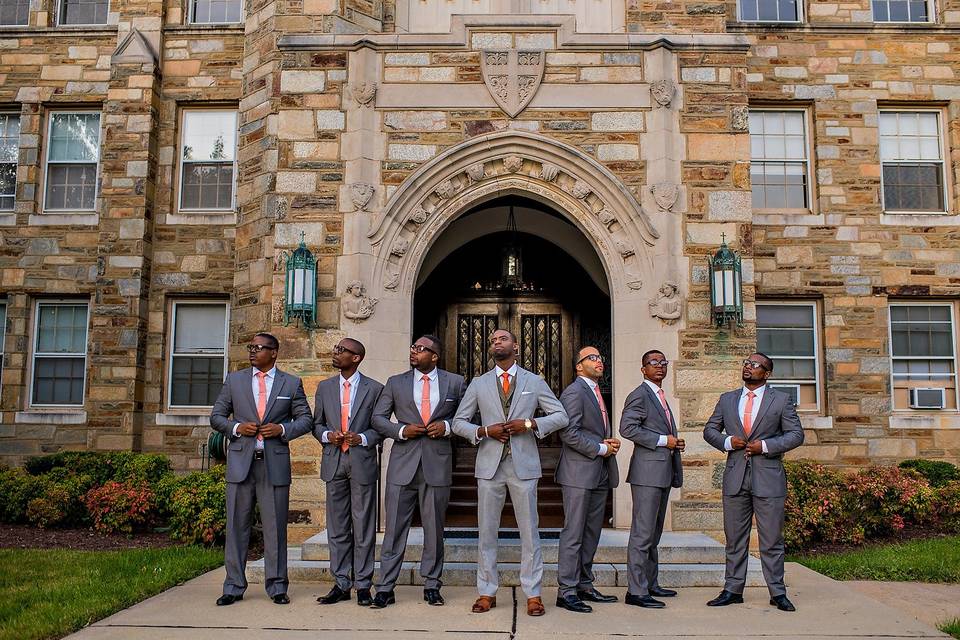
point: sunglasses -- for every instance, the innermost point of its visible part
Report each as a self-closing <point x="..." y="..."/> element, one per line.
<point x="419" y="348"/>
<point x="337" y="350"/>
<point x="753" y="364"/>
<point x="593" y="357"/>
<point x="657" y="363"/>
<point x="257" y="348"/>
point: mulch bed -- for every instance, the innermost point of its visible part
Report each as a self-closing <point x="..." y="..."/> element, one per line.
<point x="907" y="535"/>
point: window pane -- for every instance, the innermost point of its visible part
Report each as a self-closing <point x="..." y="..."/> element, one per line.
<point x="769" y="316"/>
<point x="209" y="135"/>
<point x="58" y="381"/>
<point x="74" y="137"/>
<point x="217" y="10"/>
<point x="8" y="185"/>
<point x="14" y="11"/>
<point x="83" y="11"/>
<point x="748" y="9"/>
<point x="62" y="328"/>
<point x="71" y="187"/>
<point x="195" y="381"/>
<point x="9" y="134"/>
<point x="207" y="186"/>
<point x="913" y="187"/>
<point x="768" y="9"/>
<point x="200" y="328"/>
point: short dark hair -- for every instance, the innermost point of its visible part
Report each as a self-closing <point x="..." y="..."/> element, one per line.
<point x="437" y="345"/>
<point x="272" y="339"/>
<point x="510" y="333"/>
<point x="356" y="346"/>
<point x="643" y="358"/>
<point x="767" y="358"/>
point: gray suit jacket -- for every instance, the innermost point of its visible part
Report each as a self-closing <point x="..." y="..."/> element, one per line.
<point x="530" y="393"/>
<point x="643" y="422"/>
<point x="326" y="417"/>
<point x="777" y="424"/>
<point x="436" y="454"/>
<point x="287" y="406"/>
<point x="580" y="462"/>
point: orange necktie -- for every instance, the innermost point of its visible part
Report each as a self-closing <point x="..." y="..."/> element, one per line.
<point x="506" y="383"/>
<point x="748" y="413"/>
<point x="345" y="413"/>
<point x="261" y="401"/>
<point x="603" y="408"/>
<point x="666" y="409"/>
<point x="425" y="400"/>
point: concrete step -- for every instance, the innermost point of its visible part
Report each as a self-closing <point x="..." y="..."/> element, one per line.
<point x="675" y="548"/>
<point x="465" y="573"/>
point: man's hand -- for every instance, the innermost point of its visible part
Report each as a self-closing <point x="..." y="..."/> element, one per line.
<point x="755" y="448"/>
<point x="247" y="429"/>
<point x="271" y="430"/>
<point x="613" y="446"/>
<point x="412" y="431"/>
<point x="436" y="429"/>
<point x="516" y="426"/>
<point x="335" y="437"/>
<point x="498" y="432"/>
<point x="352" y="439"/>
<point x="674" y="442"/>
<point x="737" y="442"/>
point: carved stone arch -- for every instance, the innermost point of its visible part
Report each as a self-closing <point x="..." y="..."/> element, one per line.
<point x="519" y="163"/>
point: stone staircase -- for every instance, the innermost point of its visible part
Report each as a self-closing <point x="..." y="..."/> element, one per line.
<point x="686" y="560"/>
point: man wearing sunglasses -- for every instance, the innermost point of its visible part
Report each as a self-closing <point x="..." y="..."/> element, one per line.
<point x="260" y="410"/>
<point x="761" y="425"/>
<point x="343" y="411"/>
<point x="586" y="473"/>
<point x="655" y="468"/>
<point x="423" y="401"/>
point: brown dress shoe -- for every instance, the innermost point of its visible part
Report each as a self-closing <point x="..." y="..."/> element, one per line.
<point x="484" y="604"/>
<point x="535" y="606"/>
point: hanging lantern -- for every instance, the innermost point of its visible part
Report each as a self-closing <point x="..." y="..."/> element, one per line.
<point x="301" y="287"/>
<point x="511" y="258"/>
<point x="726" y="286"/>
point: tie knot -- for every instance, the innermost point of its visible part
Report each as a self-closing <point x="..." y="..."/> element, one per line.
<point x="505" y="376"/>
<point x="660" y="392"/>
<point x="751" y="394"/>
<point x="261" y="374"/>
<point x="346" y="384"/>
<point x="425" y="378"/>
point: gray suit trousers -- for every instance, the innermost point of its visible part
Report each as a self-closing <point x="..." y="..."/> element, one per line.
<point x="399" y="503"/>
<point x="523" y="494"/>
<point x="738" y="512"/>
<point x="351" y="529"/>
<point x="649" y="511"/>
<point x="273" y="502"/>
<point x="582" y="523"/>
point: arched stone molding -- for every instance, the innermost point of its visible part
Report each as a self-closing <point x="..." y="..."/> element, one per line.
<point x="499" y="164"/>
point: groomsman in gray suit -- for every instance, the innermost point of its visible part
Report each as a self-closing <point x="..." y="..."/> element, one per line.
<point x="655" y="467"/>
<point x="343" y="411"/>
<point x="761" y="425"/>
<point x="586" y="473"/>
<point x="260" y="410"/>
<point x="424" y="401"/>
<point x="507" y="459"/>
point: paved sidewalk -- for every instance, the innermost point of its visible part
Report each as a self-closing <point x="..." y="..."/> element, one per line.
<point x="928" y="603"/>
<point x="826" y="609"/>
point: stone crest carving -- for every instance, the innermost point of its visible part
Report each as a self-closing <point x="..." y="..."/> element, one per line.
<point x="364" y="93"/>
<point x="513" y="163"/>
<point x="476" y="171"/>
<point x="418" y="215"/>
<point x="549" y="172"/>
<point x="400" y="247"/>
<point x="740" y="118"/>
<point x="446" y="190"/>
<point x="624" y="248"/>
<point x="357" y="306"/>
<point x="581" y="190"/>
<point x="512" y="77"/>
<point x="392" y="279"/>
<point x="606" y="217"/>
<point x="360" y="195"/>
<point x="665" y="194"/>
<point x="663" y="91"/>
<point x="667" y="305"/>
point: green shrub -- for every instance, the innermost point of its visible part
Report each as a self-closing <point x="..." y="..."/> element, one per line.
<point x="197" y="507"/>
<point x="937" y="472"/>
<point x="17" y="489"/>
<point x="120" y="507"/>
<point x="946" y="506"/>
<point x="103" y="466"/>
<point x="816" y="506"/>
<point x="58" y="500"/>
<point x="886" y="499"/>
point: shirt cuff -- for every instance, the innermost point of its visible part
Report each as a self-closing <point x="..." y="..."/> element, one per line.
<point x="283" y="431"/>
<point x="763" y="444"/>
<point x="235" y="434"/>
<point x="325" y="437"/>
<point x="400" y="435"/>
<point x="728" y="443"/>
<point x="603" y="449"/>
<point x="662" y="441"/>
<point x="446" y="429"/>
<point x="363" y="440"/>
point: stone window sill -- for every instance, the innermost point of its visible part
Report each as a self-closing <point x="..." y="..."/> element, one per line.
<point x="926" y="420"/>
<point x="51" y="416"/>
<point x="203" y="218"/>
<point x="790" y="217"/>
<point x="812" y="421"/>
<point x="182" y="419"/>
<point x="212" y="29"/>
<point x="64" y="219"/>
<point x="61" y="31"/>
<point x="919" y="219"/>
<point x="8" y="219"/>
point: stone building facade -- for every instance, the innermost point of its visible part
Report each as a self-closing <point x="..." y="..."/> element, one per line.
<point x="166" y="160"/>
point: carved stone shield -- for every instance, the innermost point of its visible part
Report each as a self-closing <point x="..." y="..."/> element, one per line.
<point x="512" y="77"/>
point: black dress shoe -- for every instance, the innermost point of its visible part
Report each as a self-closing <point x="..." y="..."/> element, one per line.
<point x="725" y="598"/>
<point x="782" y="603"/>
<point x="595" y="596"/>
<point x="663" y="593"/>
<point x="433" y="597"/>
<point x="281" y="598"/>
<point x="227" y="599"/>
<point x="336" y="595"/>
<point x="573" y="603"/>
<point x="643" y="601"/>
<point x="381" y="600"/>
<point x="363" y="597"/>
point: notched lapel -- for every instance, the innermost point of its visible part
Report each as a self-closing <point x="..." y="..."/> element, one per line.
<point x="734" y="407"/>
<point x="521" y="382"/>
<point x="656" y="403"/>
<point x="361" y="394"/>
<point x="768" y="398"/>
<point x="406" y="393"/>
<point x="278" y="381"/>
<point x="443" y="381"/>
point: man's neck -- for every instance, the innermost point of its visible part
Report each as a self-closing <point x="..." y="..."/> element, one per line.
<point x="346" y="374"/>
<point x="427" y="370"/>
<point x="653" y="382"/>
<point x="753" y="386"/>
<point x="266" y="369"/>
<point x="591" y="379"/>
<point x="506" y="365"/>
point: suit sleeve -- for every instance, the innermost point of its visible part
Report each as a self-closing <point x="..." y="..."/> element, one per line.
<point x="573" y="435"/>
<point x="556" y="417"/>
<point x="222" y="410"/>
<point x="468" y="408"/>
<point x="461" y="389"/>
<point x="792" y="432"/>
<point x="382" y="411"/>
<point x="631" y="421"/>
<point x="319" y="419"/>
<point x="372" y="435"/>
<point x="713" y="431"/>
<point x="302" y="420"/>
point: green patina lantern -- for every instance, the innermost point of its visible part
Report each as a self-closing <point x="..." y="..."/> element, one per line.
<point x="726" y="286"/>
<point x="301" y="287"/>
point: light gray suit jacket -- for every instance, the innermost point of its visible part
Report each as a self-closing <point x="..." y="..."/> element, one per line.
<point x="436" y="454"/>
<point x="326" y="417"/>
<point x="580" y="461"/>
<point x="530" y="393"/>
<point x="777" y="425"/>
<point x="643" y="422"/>
<point x="286" y="406"/>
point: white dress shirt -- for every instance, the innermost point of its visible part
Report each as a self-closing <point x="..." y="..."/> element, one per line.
<point x="255" y="385"/>
<point x="593" y="385"/>
<point x="758" y="392"/>
<point x="434" y="377"/>
<point x="662" y="442"/>
<point x="354" y="381"/>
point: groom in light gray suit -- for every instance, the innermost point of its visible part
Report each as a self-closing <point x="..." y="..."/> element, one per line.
<point x="761" y="425"/>
<point x="424" y="401"/>
<point x="507" y="399"/>
<point x="655" y="467"/>
<point x="260" y="410"/>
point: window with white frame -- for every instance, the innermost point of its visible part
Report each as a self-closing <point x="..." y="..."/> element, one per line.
<point x="9" y="152"/>
<point x="14" y="12"/>
<point x="60" y="353"/>
<point x="83" y="12"/>
<point x="912" y="157"/>
<point x="216" y="11"/>
<point x="901" y="11"/>
<point x="769" y="10"/>
<point x="207" y="160"/>
<point x="73" y="156"/>
<point x="779" y="165"/>
<point x="787" y="332"/>
<point x="923" y="354"/>
<point x="198" y="356"/>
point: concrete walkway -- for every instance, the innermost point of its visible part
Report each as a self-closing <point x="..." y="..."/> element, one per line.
<point x="929" y="603"/>
<point x="826" y="609"/>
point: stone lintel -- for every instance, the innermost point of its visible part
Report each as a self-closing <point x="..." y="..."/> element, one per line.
<point x="51" y="416"/>
<point x="550" y="96"/>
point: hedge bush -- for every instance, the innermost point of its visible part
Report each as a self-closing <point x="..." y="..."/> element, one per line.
<point x="937" y="472"/>
<point x="102" y="467"/>
<point x="198" y="507"/>
<point x="120" y="507"/>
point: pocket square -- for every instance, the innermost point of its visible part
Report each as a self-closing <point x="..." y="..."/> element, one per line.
<point x="449" y="400"/>
<point x="283" y="397"/>
<point x="523" y="393"/>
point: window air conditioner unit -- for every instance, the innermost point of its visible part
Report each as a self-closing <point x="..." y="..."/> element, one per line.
<point x="931" y="398"/>
<point x="792" y="390"/>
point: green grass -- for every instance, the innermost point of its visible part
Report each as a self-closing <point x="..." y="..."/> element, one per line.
<point x="932" y="560"/>
<point x="951" y="627"/>
<point x="50" y="593"/>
